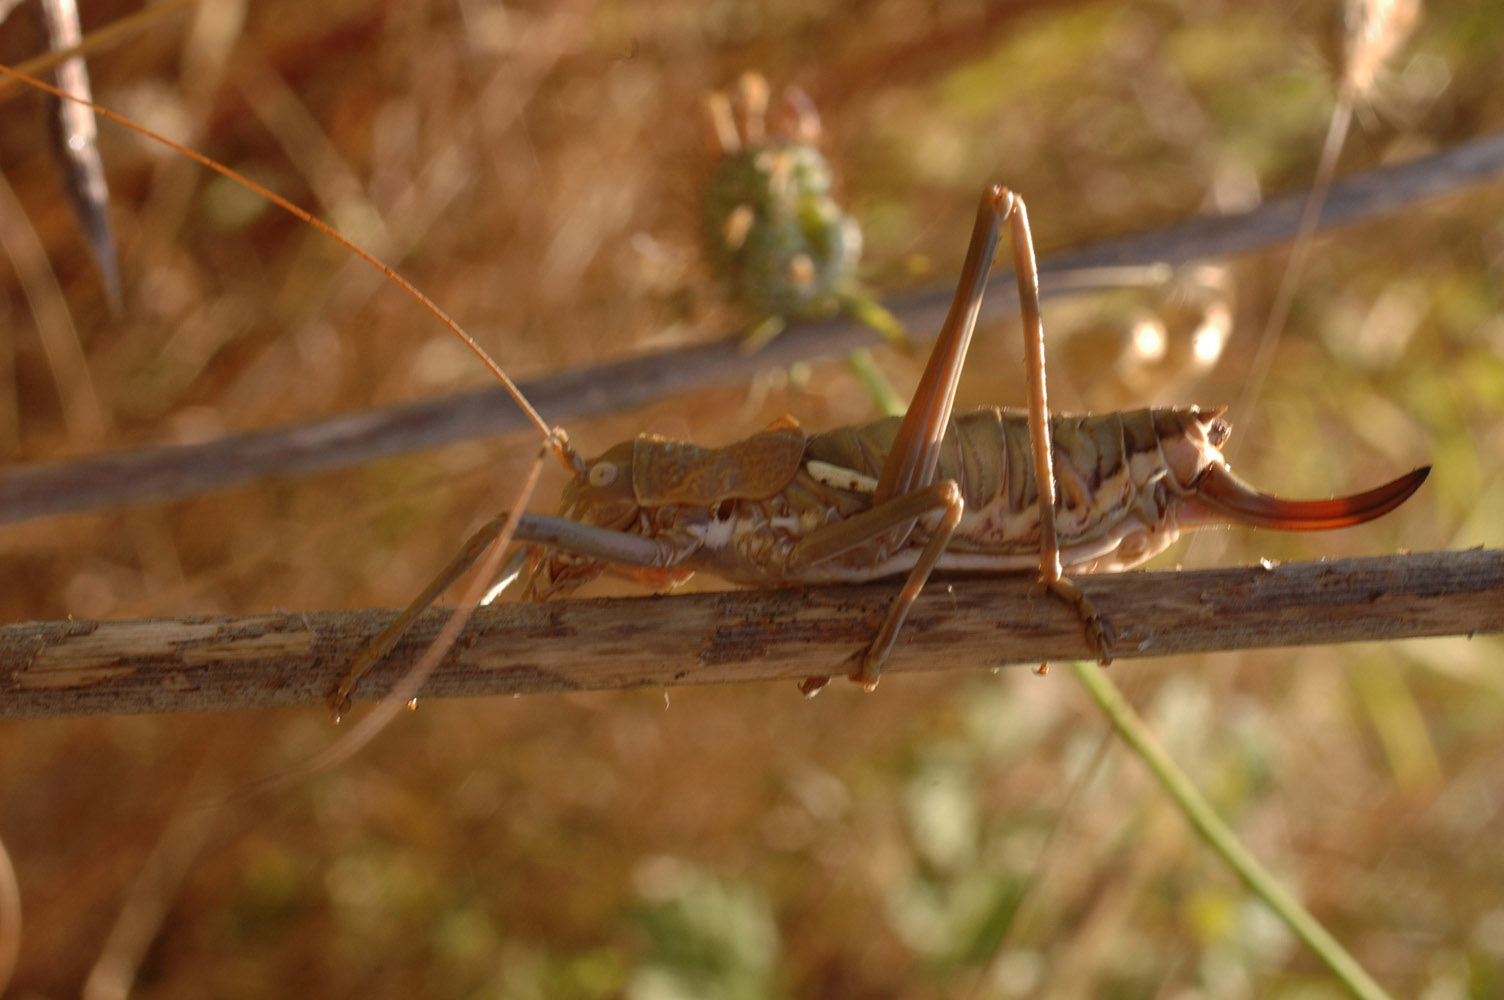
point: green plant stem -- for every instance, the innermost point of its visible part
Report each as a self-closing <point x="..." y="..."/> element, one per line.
<point x="1199" y="812"/>
<point x="886" y="398"/>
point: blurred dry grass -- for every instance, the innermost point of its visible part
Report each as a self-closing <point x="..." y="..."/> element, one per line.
<point x="536" y="171"/>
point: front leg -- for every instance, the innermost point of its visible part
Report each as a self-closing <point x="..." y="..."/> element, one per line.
<point x="538" y="529"/>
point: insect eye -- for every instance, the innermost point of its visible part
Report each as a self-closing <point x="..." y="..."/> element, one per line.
<point x="602" y="474"/>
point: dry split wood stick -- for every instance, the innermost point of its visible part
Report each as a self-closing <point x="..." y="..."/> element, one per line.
<point x="170" y="471"/>
<point x="193" y="664"/>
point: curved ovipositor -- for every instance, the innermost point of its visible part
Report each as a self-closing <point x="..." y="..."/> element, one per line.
<point x="1244" y="504"/>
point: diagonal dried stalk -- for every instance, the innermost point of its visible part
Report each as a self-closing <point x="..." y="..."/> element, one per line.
<point x="121" y="478"/>
<point x="177" y="665"/>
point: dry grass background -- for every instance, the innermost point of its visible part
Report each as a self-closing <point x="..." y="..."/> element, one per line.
<point x="536" y="171"/>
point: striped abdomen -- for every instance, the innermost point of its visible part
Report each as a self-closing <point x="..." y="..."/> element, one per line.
<point x="1119" y="476"/>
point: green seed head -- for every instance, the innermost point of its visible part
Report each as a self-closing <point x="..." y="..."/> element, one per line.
<point x="775" y="234"/>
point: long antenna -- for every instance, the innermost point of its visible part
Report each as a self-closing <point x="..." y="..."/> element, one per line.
<point x="555" y="436"/>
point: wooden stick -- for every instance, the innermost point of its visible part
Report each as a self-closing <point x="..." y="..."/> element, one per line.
<point x="166" y="472"/>
<point x="193" y="664"/>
